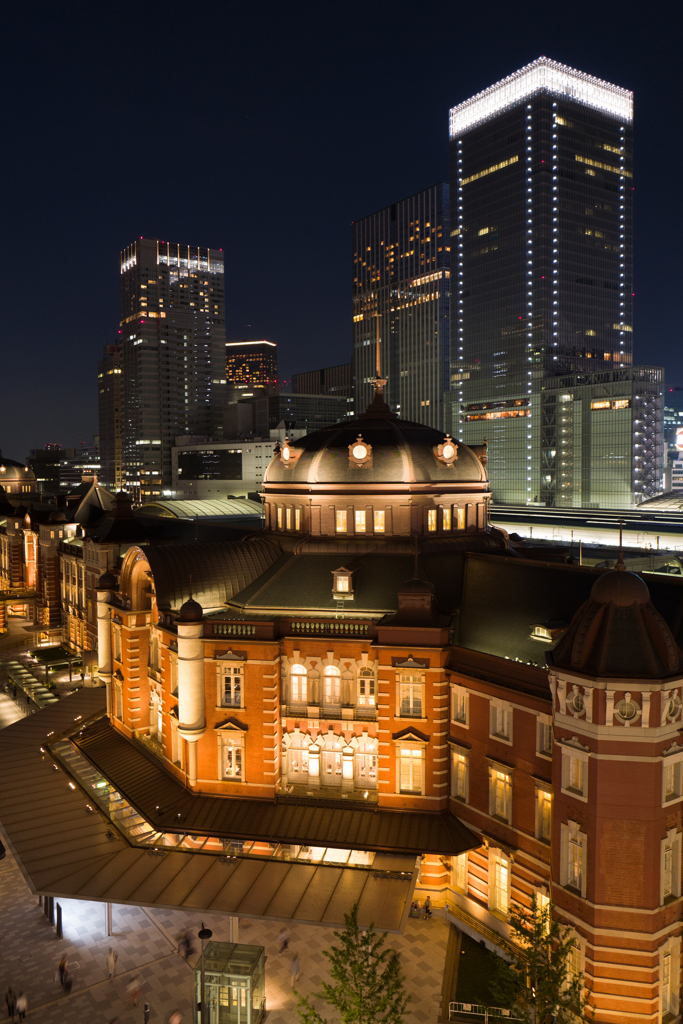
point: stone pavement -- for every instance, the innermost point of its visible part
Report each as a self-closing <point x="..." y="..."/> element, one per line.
<point x="145" y="942"/>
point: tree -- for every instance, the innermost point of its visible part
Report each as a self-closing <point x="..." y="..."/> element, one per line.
<point x="367" y="983"/>
<point x="538" y="984"/>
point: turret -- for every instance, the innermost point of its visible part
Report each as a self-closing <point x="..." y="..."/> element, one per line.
<point x="191" y="719"/>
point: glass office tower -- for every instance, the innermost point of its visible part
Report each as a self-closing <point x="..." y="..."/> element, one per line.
<point x="542" y="235"/>
<point x="172" y="324"/>
<point x="401" y="268"/>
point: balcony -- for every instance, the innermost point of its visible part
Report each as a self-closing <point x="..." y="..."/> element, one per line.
<point x="329" y="712"/>
<point x="330" y="627"/>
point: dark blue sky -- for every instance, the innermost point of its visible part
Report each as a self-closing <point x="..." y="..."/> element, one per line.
<point x="265" y="130"/>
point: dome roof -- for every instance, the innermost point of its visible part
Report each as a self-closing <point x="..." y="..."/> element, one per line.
<point x="57" y="517"/>
<point x="107" y="581"/>
<point x="618" y="632"/>
<point x="11" y="471"/>
<point x="398" y="451"/>
<point x="191" y="611"/>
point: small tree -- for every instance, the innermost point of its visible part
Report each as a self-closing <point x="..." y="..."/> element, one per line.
<point x="367" y="982"/>
<point x="538" y="985"/>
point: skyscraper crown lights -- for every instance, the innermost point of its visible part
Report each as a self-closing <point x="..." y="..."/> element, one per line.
<point x="541" y="74"/>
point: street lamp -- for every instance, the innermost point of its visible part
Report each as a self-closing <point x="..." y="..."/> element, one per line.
<point x="204" y="935"/>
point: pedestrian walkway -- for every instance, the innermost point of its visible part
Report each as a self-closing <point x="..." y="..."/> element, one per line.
<point x="9" y="711"/>
<point x="145" y="943"/>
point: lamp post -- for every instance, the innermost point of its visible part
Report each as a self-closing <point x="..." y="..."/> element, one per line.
<point x="204" y="935"/>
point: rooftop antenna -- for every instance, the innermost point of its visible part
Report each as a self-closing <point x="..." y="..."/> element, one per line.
<point x="379" y="380"/>
<point x="620" y="561"/>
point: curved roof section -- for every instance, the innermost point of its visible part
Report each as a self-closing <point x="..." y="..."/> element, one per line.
<point x="209" y="573"/>
<point x="209" y="508"/>
<point x="618" y="632"/>
<point x="11" y="470"/>
<point x="402" y="452"/>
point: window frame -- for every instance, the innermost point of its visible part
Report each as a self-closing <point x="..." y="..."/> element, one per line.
<point x="498" y="706"/>
<point x="231" y="671"/>
<point x="460" y="694"/>
<point x="460" y="773"/>
<point x="544" y="729"/>
<point x="571" y="837"/>
<point x="670" y="850"/>
<point x="575" y="760"/>
<point x="341" y="518"/>
<point x="500" y="775"/>
<point x="544" y="794"/>
<point x="333" y="673"/>
<point x="233" y="740"/>
<point x="673" y="762"/>
<point x="298" y="675"/>
<point x="499" y="860"/>
<point x="359" y="520"/>
<point x="366" y="675"/>
<point x="417" y="752"/>
<point x="379" y="516"/>
<point x="414" y="686"/>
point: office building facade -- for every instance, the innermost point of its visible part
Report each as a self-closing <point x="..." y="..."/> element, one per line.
<point x="401" y="268"/>
<point x="250" y="368"/>
<point x="172" y="322"/>
<point x="109" y="399"/>
<point x="257" y="416"/>
<point x="542" y="235"/>
<point x="331" y="380"/>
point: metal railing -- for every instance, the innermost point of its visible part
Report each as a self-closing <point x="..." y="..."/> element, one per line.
<point x="331" y="627"/>
<point x="233" y="629"/>
<point x="476" y="1010"/>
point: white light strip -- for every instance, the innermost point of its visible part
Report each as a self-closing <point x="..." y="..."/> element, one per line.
<point x="541" y="74"/>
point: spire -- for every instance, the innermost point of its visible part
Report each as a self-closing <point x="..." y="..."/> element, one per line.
<point x="378" y="407"/>
<point x="620" y="561"/>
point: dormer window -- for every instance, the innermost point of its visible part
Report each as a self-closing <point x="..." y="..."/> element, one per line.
<point x="342" y="586"/>
<point x="342" y="583"/>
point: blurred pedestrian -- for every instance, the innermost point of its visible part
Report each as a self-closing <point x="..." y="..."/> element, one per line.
<point x="67" y="982"/>
<point x="428" y="908"/>
<point x="112" y="957"/>
<point x="175" y="1018"/>
<point x="62" y="970"/>
<point x="133" y="990"/>
<point x="294" y="970"/>
<point x="11" y="1000"/>
<point x="22" y="1005"/>
<point x="283" y="939"/>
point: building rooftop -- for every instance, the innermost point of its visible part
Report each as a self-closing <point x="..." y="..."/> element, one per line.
<point x="202" y="508"/>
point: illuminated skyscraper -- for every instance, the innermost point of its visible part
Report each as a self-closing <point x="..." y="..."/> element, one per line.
<point x="542" y="235"/>
<point x="401" y="261"/>
<point x="173" y="355"/>
<point x="250" y="368"/>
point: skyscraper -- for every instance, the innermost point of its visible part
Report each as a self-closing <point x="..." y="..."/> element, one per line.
<point x="401" y="266"/>
<point x="109" y="398"/>
<point x="250" y="367"/>
<point x="172" y="317"/>
<point x="542" y="233"/>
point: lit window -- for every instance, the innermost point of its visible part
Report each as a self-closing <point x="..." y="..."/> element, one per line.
<point x="575" y="773"/>
<point x="297" y="519"/>
<point x="331" y="685"/>
<point x="232" y="759"/>
<point x="379" y="522"/>
<point x="670" y="866"/>
<point x="288" y="514"/>
<point x="359" y="519"/>
<point x="446" y="519"/>
<point x="411" y="769"/>
<point x="500" y="719"/>
<point x="279" y="518"/>
<point x="342" y="583"/>
<point x="573" y="851"/>
<point x="298" y="684"/>
<point x="411" y="694"/>
<point x="575" y="863"/>
<point x="459" y="775"/>
<point x="544" y="814"/>
<point x="499" y="881"/>
<point x="231" y="690"/>
<point x="603" y="167"/>
<point x="500" y="793"/>
<point x="431" y="520"/>
<point x="460" y="872"/>
<point x="459" y="704"/>
<point x="461" y="518"/>
<point x="366" y="687"/>
<point x="341" y="522"/>
<point x="490" y="170"/>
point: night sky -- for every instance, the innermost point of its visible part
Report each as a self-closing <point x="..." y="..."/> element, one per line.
<point x="266" y="129"/>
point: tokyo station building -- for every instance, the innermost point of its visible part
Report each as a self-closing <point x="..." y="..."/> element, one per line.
<point x="373" y="699"/>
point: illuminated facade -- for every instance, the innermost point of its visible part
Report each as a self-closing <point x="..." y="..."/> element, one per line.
<point x="372" y="652"/>
<point x="542" y="237"/>
<point x="250" y="368"/>
<point x="172" y="320"/>
<point x="109" y="403"/>
<point x="401" y="275"/>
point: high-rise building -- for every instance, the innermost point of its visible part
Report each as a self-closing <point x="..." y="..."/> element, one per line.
<point x="250" y="368"/>
<point x="401" y="266"/>
<point x="332" y="380"/>
<point x="109" y="396"/>
<point x="173" y="355"/>
<point x="542" y="235"/>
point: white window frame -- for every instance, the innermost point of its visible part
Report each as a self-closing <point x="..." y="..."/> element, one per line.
<point x="669" y="970"/>
<point x="571" y="837"/>
<point x="460" y="705"/>
<point x="460" y="869"/>
<point x="231" y="739"/>
<point x="575" y="773"/>
<point x="298" y="671"/>
<point x="670" y="867"/>
<point x="359" y="520"/>
<point x="544" y="736"/>
<point x="672" y="775"/>
<point x="544" y="797"/>
<point x="341" y="519"/>
<point x="460" y="773"/>
<point x="379" y="521"/>
<point x="500" y="863"/>
<point x="411" y="682"/>
<point x="232" y="671"/>
<point x="500" y="720"/>
<point x="417" y="751"/>
<point x="500" y="791"/>
<point x="367" y="688"/>
<point x="331" y="682"/>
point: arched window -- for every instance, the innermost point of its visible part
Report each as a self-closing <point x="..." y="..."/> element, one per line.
<point x="366" y="687"/>
<point x="331" y="760"/>
<point x="295" y="758"/>
<point x="298" y="685"/>
<point x="332" y="685"/>
<point x="366" y="764"/>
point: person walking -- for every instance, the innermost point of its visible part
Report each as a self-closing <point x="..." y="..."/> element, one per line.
<point x="294" y="970"/>
<point x="22" y="1005"/>
<point x="428" y="909"/>
<point x="283" y="939"/>
<point x="175" y="1018"/>
<point x="112" y="957"/>
<point x="133" y="990"/>
<point x="62" y="970"/>
<point x="11" y="1001"/>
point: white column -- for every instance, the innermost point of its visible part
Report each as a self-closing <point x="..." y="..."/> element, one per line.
<point x="191" y="720"/>
<point x="104" y="660"/>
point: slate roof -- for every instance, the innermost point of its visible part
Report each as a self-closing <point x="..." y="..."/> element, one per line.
<point x="146" y="785"/>
<point x="212" y="508"/>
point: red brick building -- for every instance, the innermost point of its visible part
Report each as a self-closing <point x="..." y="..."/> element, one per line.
<point x="379" y="645"/>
